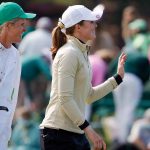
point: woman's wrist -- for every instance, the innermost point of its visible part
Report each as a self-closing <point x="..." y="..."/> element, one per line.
<point x="84" y="125"/>
<point x="118" y="78"/>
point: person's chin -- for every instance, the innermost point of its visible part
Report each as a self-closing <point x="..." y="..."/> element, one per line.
<point x="18" y="40"/>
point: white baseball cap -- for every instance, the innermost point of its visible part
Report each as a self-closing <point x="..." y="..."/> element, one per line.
<point x="76" y="13"/>
<point x="99" y="9"/>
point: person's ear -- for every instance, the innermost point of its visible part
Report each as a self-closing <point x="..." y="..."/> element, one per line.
<point x="77" y="27"/>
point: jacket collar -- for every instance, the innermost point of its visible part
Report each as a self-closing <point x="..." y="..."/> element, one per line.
<point x="82" y="46"/>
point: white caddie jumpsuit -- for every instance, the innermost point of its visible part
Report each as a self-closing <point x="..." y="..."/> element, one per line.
<point x="10" y="70"/>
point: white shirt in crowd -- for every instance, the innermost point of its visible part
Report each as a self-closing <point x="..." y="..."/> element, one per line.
<point x="33" y="43"/>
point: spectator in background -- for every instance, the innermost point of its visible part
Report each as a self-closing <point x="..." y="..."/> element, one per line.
<point x="36" y="72"/>
<point x="35" y="82"/>
<point x="128" y="95"/>
<point x="140" y="133"/>
<point x="140" y="38"/>
<point x="130" y="13"/>
<point x="135" y="31"/>
<point x="34" y="42"/>
<point x="99" y="62"/>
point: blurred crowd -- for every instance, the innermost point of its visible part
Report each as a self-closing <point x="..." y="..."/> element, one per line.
<point x="125" y="129"/>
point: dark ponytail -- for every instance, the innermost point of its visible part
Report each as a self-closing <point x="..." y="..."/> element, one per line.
<point x="58" y="39"/>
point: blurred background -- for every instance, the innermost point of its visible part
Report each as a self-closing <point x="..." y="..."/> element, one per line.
<point x="122" y="118"/>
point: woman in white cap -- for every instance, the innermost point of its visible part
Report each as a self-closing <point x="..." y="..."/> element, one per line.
<point x="12" y="25"/>
<point x="64" y="124"/>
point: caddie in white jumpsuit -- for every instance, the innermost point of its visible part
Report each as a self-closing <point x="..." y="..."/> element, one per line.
<point x="12" y="25"/>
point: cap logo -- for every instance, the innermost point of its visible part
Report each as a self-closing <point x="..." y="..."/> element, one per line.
<point x="97" y="16"/>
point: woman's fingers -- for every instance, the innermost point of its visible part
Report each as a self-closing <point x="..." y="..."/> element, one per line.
<point x="99" y="144"/>
<point x="122" y="58"/>
<point x="104" y="145"/>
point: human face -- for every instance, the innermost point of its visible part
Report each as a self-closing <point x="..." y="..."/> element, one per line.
<point x="16" y="29"/>
<point x="86" y="31"/>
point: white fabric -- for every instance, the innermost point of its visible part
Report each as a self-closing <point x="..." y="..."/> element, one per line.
<point x="34" y="43"/>
<point x="140" y="131"/>
<point x="134" y="134"/>
<point x="75" y="14"/>
<point x="10" y="70"/>
<point x="99" y="9"/>
<point x="126" y="98"/>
